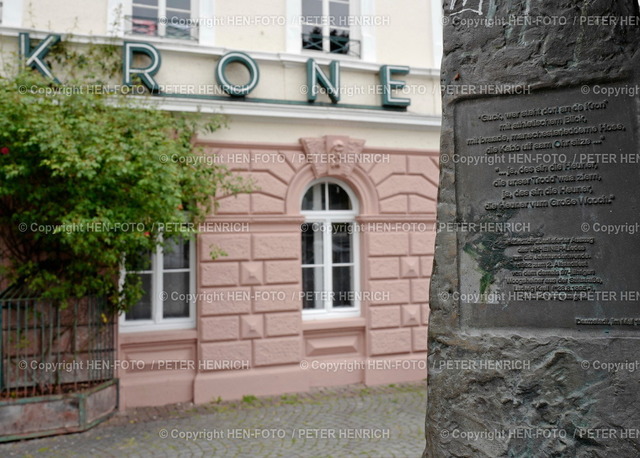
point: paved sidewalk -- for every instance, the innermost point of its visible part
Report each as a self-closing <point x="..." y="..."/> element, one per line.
<point x="337" y="422"/>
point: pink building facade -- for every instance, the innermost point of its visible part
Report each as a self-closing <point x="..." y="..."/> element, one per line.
<point x="262" y="325"/>
<point x="320" y="275"/>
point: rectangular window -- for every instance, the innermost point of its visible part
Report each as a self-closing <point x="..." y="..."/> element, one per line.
<point x="163" y="18"/>
<point x="168" y="281"/>
<point x="329" y="253"/>
<point x="328" y="265"/>
<point x="326" y="27"/>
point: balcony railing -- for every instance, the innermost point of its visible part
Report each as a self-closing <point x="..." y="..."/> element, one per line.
<point x="337" y="44"/>
<point x="163" y="27"/>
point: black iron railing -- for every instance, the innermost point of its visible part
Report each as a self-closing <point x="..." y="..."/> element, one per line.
<point x="334" y="44"/>
<point x="170" y="27"/>
<point x="48" y="349"/>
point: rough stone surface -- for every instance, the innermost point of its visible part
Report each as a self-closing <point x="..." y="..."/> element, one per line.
<point x="555" y="403"/>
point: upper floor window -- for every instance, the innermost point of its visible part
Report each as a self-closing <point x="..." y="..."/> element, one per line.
<point x="163" y="18"/>
<point x="330" y="265"/>
<point x="326" y="27"/>
<point x="168" y="282"/>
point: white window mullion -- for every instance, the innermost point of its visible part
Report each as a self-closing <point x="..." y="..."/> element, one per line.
<point x="328" y="263"/>
<point x="322" y="257"/>
<point x="328" y="259"/>
<point x="207" y="34"/>
<point x="294" y="27"/>
<point x="325" y="27"/>
<point x="352" y="264"/>
<point x="367" y="33"/>
<point x="162" y="12"/>
<point x="355" y="274"/>
<point x="436" y="31"/>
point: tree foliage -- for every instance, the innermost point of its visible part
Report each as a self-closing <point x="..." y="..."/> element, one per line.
<point x="88" y="179"/>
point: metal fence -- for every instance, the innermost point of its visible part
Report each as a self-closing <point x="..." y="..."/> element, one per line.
<point x="173" y="28"/>
<point x="334" y="44"/>
<point x="48" y="349"/>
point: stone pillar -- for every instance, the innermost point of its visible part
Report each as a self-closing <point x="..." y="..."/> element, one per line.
<point x="535" y="318"/>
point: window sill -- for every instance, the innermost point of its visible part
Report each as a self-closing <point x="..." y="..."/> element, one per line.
<point x="158" y="40"/>
<point x="327" y="55"/>
<point x="334" y="324"/>
<point x="143" y="337"/>
<point x="125" y="328"/>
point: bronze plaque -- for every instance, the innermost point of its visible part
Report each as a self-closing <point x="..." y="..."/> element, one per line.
<point x="548" y="222"/>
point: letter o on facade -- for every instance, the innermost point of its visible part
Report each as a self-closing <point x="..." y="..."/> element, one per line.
<point x="237" y="90"/>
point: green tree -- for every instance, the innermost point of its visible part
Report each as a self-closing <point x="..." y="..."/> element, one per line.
<point x="88" y="180"/>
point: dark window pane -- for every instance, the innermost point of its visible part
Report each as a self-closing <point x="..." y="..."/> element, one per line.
<point x="311" y="244"/>
<point x="312" y="8"/>
<point x="176" y="18"/>
<point x="145" y="13"/>
<point x="342" y="287"/>
<point x="142" y="310"/>
<point x="311" y="29"/>
<point x="144" y="26"/>
<point x="176" y="287"/>
<point x="153" y="3"/>
<point x="313" y="287"/>
<point x="176" y="254"/>
<point x="341" y="242"/>
<point x="339" y="41"/>
<point x="179" y="31"/>
<point x="312" y="38"/>
<point x="338" y="198"/>
<point x="314" y="198"/>
<point x="339" y="13"/>
<point x="179" y="4"/>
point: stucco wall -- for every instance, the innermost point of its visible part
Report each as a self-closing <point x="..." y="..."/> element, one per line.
<point x="264" y="325"/>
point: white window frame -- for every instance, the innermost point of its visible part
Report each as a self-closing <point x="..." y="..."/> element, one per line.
<point x="436" y="30"/>
<point x="203" y="10"/>
<point x="365" y="34"/>
<point x="157" y="322"/>
<point x="162" y="25"/>
<point x="327" y="217"/>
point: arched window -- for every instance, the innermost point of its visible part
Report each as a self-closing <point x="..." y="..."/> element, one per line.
<point x="330" y="255"/>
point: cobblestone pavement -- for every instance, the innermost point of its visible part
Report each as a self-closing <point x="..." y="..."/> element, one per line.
<point x="337" y="422"/>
